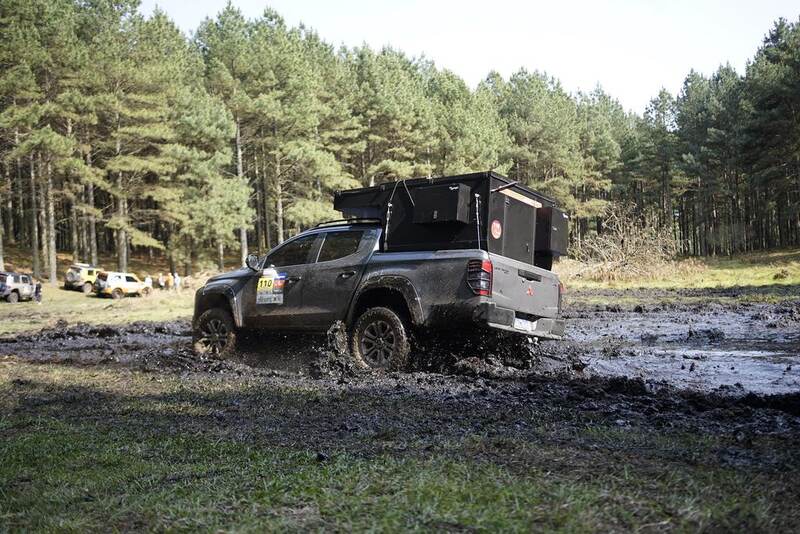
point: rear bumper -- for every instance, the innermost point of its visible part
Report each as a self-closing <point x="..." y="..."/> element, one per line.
<point x="494" y="316"/>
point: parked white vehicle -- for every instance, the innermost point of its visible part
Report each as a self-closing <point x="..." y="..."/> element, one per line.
<point x="118" y="285"/>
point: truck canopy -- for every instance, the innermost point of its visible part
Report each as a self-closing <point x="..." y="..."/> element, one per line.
<point x="470" y="211"/>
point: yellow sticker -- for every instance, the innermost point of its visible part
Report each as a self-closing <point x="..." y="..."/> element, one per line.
<point x="265" y="283"/>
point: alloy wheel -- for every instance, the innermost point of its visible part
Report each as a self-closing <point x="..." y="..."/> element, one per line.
<point x="214" y="335"/>
<point x="378" y="343"/>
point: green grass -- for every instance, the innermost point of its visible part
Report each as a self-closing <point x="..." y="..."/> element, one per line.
<point x="74" y="306"/>
<point x="99" y="449"/>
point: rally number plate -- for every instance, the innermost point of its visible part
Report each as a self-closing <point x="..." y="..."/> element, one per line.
<point x="269" y="290"/>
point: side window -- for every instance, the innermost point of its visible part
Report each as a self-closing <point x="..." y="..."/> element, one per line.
<point x="130" y="279"/>
<point x="26" y="280"/>
<point x="340" y="244"/>
<point x="292" y="253"/>
<point x="90" y="273"/>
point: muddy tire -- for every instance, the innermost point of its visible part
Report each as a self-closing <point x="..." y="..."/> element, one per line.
<point x="145" y="291"/>
<point x="13" y="297"/>
<point x="380" y="340"/>
<point x="86" y="288"/>
<point x="214" y="334"/>
<point x="116" y="294"/>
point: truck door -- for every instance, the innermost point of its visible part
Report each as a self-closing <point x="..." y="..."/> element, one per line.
<point x="275" y="294"/>
<point x="333" y="278"/>
<point x="27" y="287"/>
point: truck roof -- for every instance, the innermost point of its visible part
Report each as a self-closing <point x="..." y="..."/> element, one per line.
<point x="412" y="182"/>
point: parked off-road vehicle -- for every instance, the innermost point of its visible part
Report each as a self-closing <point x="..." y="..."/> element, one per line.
<point x="81" y="276"/>
<point x="117" y="285"/>
<point x="456" y="253"/>
<point x="15" y="287"/>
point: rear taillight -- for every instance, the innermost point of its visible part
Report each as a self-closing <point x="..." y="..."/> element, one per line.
<point x="479" y="277"/>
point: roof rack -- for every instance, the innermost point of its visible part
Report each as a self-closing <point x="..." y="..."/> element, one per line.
<point x="338" y="222"/>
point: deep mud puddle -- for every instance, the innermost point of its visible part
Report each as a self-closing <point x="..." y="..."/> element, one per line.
<point x="704" y="347"/>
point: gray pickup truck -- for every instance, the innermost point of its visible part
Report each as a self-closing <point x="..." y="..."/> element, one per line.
<point x="381" y="281"/>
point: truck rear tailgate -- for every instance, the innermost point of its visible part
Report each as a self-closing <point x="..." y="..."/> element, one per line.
<point x="524" y="288"/>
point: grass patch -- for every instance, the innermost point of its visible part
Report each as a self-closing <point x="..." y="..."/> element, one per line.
<point x="102" y="449"/>
<point x="766" y="268"/>
<point x="74" y="306"/>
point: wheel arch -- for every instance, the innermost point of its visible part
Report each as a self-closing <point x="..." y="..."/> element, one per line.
<point x="223" y="298"/>
<point x="395" y="292"/>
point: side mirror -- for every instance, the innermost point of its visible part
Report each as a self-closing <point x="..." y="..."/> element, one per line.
<point x="252" y="262"/>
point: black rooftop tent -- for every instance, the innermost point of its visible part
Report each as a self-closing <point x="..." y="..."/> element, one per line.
<point x="480" y="210"/>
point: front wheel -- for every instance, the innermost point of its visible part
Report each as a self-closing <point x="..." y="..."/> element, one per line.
<point x="116" y="294"/>
<point x="214" y="334"/>
<point x="87" y="288"/>
<point x="380" y="340"/>
<point x="13" y="297"/>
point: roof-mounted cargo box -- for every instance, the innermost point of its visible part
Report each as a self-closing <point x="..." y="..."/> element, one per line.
<point x="480" y="210"/>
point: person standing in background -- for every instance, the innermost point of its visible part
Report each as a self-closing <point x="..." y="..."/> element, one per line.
<point x="169" y="281"/>
<point x="37" y="292"/>
<point x="177" y="280"/>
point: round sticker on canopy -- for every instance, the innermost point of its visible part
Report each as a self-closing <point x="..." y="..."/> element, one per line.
<point x="497" y="229"/>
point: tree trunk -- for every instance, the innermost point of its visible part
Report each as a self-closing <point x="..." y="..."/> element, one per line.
<point x="2" y="228"/>
<point x="240" y="174"/>
<point x="52" y="261"/>
<point x="34" y="229"/>
<point x="92" y="222"/>
<point x="265" y="189"/>
<point x="220" y="255"/>
<point x="76" y="255"/>
<point x="278" y="198"/>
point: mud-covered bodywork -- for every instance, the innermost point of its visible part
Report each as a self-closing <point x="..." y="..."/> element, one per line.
<point x="430" y="288"/>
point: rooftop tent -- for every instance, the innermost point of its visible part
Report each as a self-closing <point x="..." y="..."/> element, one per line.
<point x="480" y="210"/>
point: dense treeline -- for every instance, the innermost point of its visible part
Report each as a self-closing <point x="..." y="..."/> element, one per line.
<point x="119" y="133"/>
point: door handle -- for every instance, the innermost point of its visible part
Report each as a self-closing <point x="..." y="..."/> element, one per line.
<point x="347" y="274"/>
<point x="293" y="279"/>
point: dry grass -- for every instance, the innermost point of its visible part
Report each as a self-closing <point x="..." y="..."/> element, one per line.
<point x="781" y="267"/>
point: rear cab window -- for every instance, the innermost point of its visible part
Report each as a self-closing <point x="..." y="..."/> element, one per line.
<point x="339" y="245"/>
<point x="130" y="279"/>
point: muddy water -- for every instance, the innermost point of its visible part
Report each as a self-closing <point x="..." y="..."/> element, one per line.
<point x="752" y="347"/>
<point x="689" y="343"/>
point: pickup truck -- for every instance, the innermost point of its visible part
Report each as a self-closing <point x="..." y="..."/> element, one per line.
<point x="340" y="272"/>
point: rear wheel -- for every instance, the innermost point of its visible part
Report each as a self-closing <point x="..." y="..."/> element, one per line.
<point x="13" y="297"/>
<point x="214" y="334"/>
<point x="380" y="340"/>
<point x="116" y="294"/>
<point x="87" y="287"/>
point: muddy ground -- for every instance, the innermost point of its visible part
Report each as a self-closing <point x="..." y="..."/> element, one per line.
<point x="696" y="357"/>
<point x="658" y="398"/>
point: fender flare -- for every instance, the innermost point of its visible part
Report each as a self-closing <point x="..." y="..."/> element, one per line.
<point x="401" y="284"/>
<point x="230" y="295"/>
